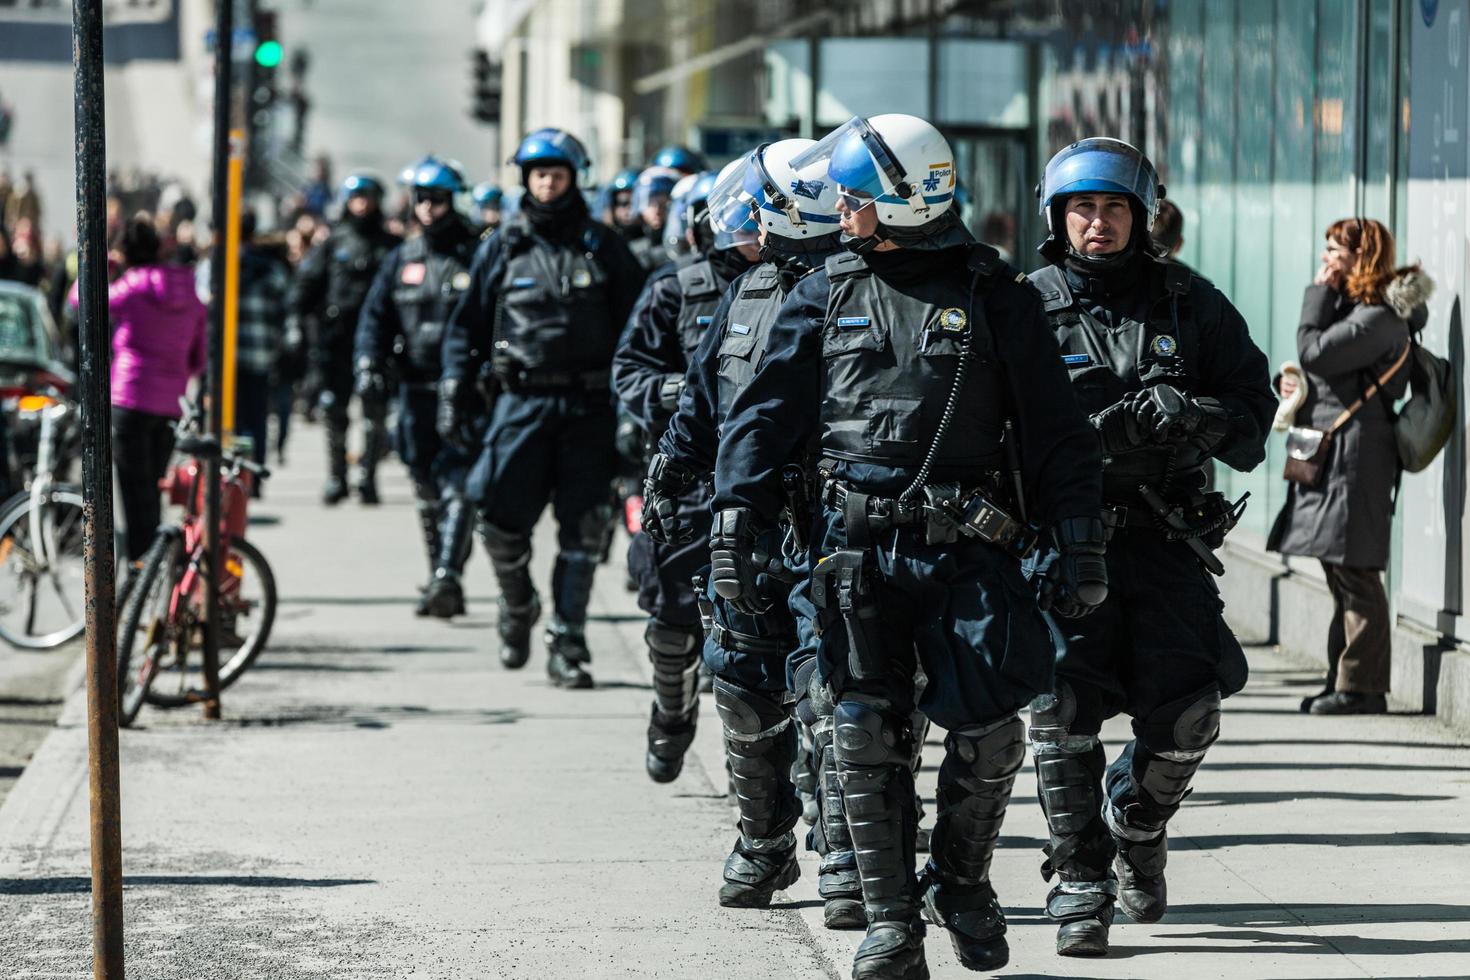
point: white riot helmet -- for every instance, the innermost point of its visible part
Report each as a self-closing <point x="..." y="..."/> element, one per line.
<point x="798" y="211"/>
<point x="899" y="164"/>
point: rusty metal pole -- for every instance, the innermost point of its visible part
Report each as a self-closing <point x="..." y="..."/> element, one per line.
<point x="224" y="30"/>
<point x="94" y="339"/>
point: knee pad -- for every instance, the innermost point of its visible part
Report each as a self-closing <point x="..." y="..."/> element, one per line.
<point x="670" y="641"/>
<point x="988" y="753"/>
<point x="808" y="711"/>
<point x="505" y="547"/>
<point x="749" y="716"/>
<point x="592" y="526"/>
<point x="1187" y="724"/>
<point x="869" y="735"/>
<point x="425" y="490"/>
<point x="1052" y="714"/>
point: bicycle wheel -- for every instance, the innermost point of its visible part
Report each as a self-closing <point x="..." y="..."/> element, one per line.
<point x="247" y="612"/>
<point x="42" y="582"/>
<point x="151" y="630"/>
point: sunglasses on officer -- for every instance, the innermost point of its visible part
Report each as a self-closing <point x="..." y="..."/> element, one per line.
<point x="853" y="200"/>
<point x="431" y="195"/>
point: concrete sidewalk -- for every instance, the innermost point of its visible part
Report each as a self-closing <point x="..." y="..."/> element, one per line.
<point x="384" y="801"/>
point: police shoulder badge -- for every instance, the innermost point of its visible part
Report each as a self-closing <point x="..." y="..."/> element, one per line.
<point x="461" y="281"/>
<point x="1164" y="345"/>
<point x="581" y="279"/>
<point x="953" y="320"/>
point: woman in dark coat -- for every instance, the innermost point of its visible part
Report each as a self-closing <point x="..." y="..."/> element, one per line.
<point x="1356" y="320"/>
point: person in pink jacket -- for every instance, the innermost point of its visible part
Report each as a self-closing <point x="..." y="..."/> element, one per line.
<point x="158" y="346"/>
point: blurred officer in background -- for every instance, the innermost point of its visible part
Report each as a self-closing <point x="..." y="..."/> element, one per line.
<point x="488" y="200"/>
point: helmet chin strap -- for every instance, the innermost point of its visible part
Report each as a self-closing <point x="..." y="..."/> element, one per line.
<point x="862" y="246"/>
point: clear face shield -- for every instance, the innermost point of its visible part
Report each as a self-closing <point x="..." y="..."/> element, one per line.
<point x="731" y="202"/>
<point x="866" y="170"/>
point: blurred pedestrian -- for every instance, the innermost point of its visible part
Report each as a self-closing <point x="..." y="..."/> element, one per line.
<point x="1352" y="344"/>
<point x="24" y="202"/>
<point x="317" y="193"/>
<point x="158" y="347"/>
<point x="264" y="282"/>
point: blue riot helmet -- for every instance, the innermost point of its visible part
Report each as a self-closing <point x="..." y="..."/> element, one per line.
<point x="434" y="173"/>
<point x="1104" y="166"/>
<point x="621" y="186"/>
<point x="623" y="180"/>
<point x="551" y="147"/>
<point x="651" y="195"/>
<point x="679" y="158"/>
<point x="364" y="185"/>
<point x="487" y="195"/>
<point x="681" y="211"/>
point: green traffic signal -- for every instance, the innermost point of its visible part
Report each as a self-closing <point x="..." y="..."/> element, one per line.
<point x="268" y="54"/>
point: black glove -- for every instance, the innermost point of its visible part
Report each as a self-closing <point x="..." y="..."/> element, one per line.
<point x="668" y="392"/>
<point x="454" y="420"/>
<point x="664" y="484"/>
<point x="1117" y="425"/>
<point x="369" y="381"/>
<point x="1076" y="581"/>
<point x="1169" y="416"/>
<point x="738" y="560"/>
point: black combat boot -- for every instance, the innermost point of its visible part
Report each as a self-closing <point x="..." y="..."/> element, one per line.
<point x="444" y="598"/>
<point x="519" y="605"/>
<point x="760" y="745"/>
<point x="674" y="653"/>
<point x="335" y="490"/>
<point x="567" y="656"/>
<point x="975" y="779"/>
<point x="430" y="510"/>
<point x="874" y="748"/>
<point x="566" y="640"/>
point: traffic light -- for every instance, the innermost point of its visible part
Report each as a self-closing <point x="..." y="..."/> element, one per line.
<point x="485" y="87"/>
<point x="268" y="56"/>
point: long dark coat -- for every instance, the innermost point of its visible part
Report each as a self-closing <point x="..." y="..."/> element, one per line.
<point x="1343" y="347"/>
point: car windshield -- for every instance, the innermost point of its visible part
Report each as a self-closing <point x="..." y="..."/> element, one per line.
<point x="22" y="333"/>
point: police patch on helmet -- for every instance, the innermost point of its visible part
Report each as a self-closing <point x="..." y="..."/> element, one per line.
<point x="953" y="320"/>
<point x="1164" y="345"/>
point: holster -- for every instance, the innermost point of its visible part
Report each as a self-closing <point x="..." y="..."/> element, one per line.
<point x="702" y="600"/>
<point x="844" y="582"/>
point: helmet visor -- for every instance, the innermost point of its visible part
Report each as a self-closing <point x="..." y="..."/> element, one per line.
<point x="735" y="196"/>
<point x="858" y="159"/>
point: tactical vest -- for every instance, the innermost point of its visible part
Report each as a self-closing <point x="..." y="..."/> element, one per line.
<point x="701" y="289"/>
<point x="1107" y="363"/>
<point x="555" y="308"/>
<point x="889" y="362"/>
<point x="352" y="262"/>
<point x="747" y="330"/>
<point x="429" y="285"/>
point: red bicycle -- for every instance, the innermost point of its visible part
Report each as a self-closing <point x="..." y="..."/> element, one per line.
<point x="161" y="642"/>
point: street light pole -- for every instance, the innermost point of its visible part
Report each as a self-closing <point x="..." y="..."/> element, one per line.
<point x="94" y="339"/>
<point x="224" y="31"/>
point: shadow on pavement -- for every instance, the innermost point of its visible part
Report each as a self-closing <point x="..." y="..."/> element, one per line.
<point x="381" y="716"/>
<point x="1366" y="743"/>
<point x="1244" y="798"/>
<point x="1257" y="942"/>
<point x="1302" y="766"/>
<point x="1408" y="838"/>
<point x="306" y="666"/>
<point x="81" y="886"/>
<point x="1318" y="914"/>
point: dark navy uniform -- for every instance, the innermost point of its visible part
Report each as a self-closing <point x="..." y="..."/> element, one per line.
<point x="542" y="315"/>
<point x="329" y="291"/>
<point x="1158" y="648"/>
<point x="403" y="323"/>
<point x="863" y="358"/>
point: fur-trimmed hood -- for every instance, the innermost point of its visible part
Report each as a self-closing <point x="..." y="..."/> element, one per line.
<point x="1409" y="291"/>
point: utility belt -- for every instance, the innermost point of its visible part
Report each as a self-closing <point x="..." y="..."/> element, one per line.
<point x="728" y="639"/>
<point x="516" y="379"/>
<point x="946" y="512"/>
<point x="1201" y="522"/>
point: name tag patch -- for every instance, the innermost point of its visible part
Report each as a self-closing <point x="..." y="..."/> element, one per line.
<point x="522" y="282"/>
<point x="704" y="321"/>
<point x="738" y="328"/>
<point x="853" y="322"/>
<point x="1076" y="360"/>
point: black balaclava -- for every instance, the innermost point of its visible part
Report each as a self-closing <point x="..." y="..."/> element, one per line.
<point x="728" y="263"/>
<point x="945" y="231"/>
<point x="366" y="223"/>
<point x="563" y="214"/>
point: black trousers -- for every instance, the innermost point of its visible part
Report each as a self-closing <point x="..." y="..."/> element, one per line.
<point x="141" y="445"/>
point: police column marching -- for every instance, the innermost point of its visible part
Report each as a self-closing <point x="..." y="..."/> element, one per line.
<point x="908" y="360"/>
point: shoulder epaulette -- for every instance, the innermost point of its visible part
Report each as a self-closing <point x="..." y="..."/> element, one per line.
<point x="698" y="281"/>
<point x="1051" y="283"/>
<point x="845" y="264"/>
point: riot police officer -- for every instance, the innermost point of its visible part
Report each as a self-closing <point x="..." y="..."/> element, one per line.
<point x="766" y="659"/>
<point x="680" y="158"/>
<point x="615" y="204"/>
<point x="670" y="320"/>
<point x="1166" y="367"/>
<point x="403" y="326"/>
<point x="489" y="199"/>
<point x="912" y="360"/>
<point x="651" y="203"/>
<point x="328" y="294"/>
<point x="548" y="297"/>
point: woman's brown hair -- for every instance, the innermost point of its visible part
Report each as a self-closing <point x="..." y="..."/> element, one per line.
<point x="1374" y="268"/>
